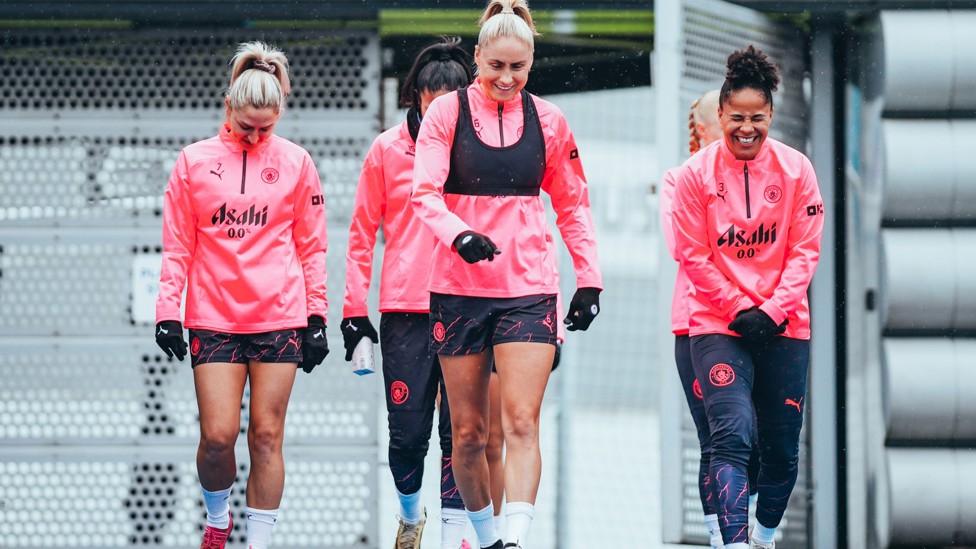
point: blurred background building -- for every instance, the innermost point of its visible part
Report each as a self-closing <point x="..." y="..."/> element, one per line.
<point x="98" y="428"/>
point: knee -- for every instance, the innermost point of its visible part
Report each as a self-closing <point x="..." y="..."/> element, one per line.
<point x="263" y="442"/>
<point x="493" y="449"/>
<point x="779" y="444"/>
<point x="522" y="427"/>
<point x="216" y="443"/>
<point x="409" y="434"/>
<point x="731" y="438"/>
<point x="469" y="439"/>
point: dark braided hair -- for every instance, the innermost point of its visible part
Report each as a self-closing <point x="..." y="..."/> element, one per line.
<point x="443" y="65"/>
<point x="750" y="68"/>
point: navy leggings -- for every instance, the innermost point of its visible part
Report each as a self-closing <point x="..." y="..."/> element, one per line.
<point x="412" y="375"/>
<point x="693" y="394"/>
<point x="746" y="384"/>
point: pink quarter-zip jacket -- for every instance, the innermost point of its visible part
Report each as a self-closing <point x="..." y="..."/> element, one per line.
<point x="383" y="197"/>
<point x="244" y="230"/>
<point x="516" y="224"/>
<point x="682" y="286"/>
<point x="748" y="233"/>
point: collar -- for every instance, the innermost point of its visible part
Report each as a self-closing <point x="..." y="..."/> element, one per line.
<point x="730" y="159"/>
<point x="476" y="92"/>
<point x="413" y="122"/>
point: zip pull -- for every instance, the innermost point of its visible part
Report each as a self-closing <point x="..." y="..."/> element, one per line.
<point x="243" y="171"/>
<point x="501" y="132"/>
<point x="745" y="172"/>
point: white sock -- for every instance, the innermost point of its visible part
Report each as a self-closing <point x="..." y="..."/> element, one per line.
<point x="218" y="507"/>
<point x="260" y="523"/>
<point x="498" y="520"/>
<point x="453" y="524"/>
<point x="714" y="532"/>
<point x="753" y="498"/>
<point x="484" y="525"/>
<point x="764" y="535"/>
<point x="411" y="509"/>
<point x="737" y="546"/>
<point x="518" y="517"/>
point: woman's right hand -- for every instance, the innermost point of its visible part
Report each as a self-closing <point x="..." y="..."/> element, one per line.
<point x="354" y="329"/>
<point x="474" y="247"/>
<point x="169" y="337"/>
<point x="756" y="326"/>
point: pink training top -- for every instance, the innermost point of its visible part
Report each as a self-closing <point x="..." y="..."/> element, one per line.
<point x="516" y="224"/>
<point x="747" y="234"/>
<point x="383" y="197"/>
<point x="244" y="230"/>
<point x="682" y="286"/>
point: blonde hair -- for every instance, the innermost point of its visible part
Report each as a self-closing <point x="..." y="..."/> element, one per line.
<point x="704" y="111"/>
<point x="258" y="77"/>
<point x="507" y="18"/>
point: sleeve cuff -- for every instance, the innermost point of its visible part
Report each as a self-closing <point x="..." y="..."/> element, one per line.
<point x="774" y="311"/>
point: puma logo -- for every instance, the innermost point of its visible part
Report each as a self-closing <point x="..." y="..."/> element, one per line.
<point x="319" y="334"/>
<point x="722" y="195"/>
<point x="798" y="404"/>
<point x="352" y="326"/>
<point x="220" y="173"/>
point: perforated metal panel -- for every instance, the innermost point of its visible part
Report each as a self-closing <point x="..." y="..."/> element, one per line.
<point x="169" y="69"/>
<point x="151" y="497"/>
<point x="98" y="427"/>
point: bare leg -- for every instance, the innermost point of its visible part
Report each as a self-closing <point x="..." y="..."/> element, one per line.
<point x="496" y="444"/>
<point x="523" y="372"/>
<point x="219" y="389"/>
<point x="466" y="378"/>
<point x="271" y="386"/>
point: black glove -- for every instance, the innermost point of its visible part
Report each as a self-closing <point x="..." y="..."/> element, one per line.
<point x="315" y="346"/>
<point x="169" y="337"/>
<point x="583" y="309"/>
<point x="755" y="325"/>
<point x="353" y="329"/>
<point x="474" y="247"/>
<point x="557" y="355"/>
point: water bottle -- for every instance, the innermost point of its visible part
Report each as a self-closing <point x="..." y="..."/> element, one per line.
<point x="363" y="357"/>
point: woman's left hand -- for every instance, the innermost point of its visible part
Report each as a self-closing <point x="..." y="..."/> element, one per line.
<point x="315" y="346"/>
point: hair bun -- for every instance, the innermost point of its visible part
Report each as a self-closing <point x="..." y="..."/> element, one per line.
<point x="752" y="67"/>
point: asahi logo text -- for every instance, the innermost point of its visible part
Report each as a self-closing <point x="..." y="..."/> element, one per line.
<point x="250" y="217"/>
<point x="738" y="238"/>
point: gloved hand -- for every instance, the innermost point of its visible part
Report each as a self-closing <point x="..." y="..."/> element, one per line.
<point x="583" y="309"/>
<point x="169" y="337"/>
<point x="353" y="329"/>
<point x="315" y="346"/>
<point x="755" y="325"/>
<point x="474" y="247"/>
<point x="555" y="357"/>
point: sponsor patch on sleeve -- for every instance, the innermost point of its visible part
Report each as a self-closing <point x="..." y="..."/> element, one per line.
<point x="574" y="154"/>
<point x="318" y="200"/>
<point x="815" y="209"/>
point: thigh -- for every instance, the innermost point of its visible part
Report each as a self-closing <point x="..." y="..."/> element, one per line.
<point x="722" y="365"/>
<point x="781" y="379"/>
<point x="523" y="372"/>
<point x="219" y="390"/>
<point x="691" y="386"/>
<point x="466" y="379"/>
<point x="410" y="370"/>
<point x="271" y="385"/>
